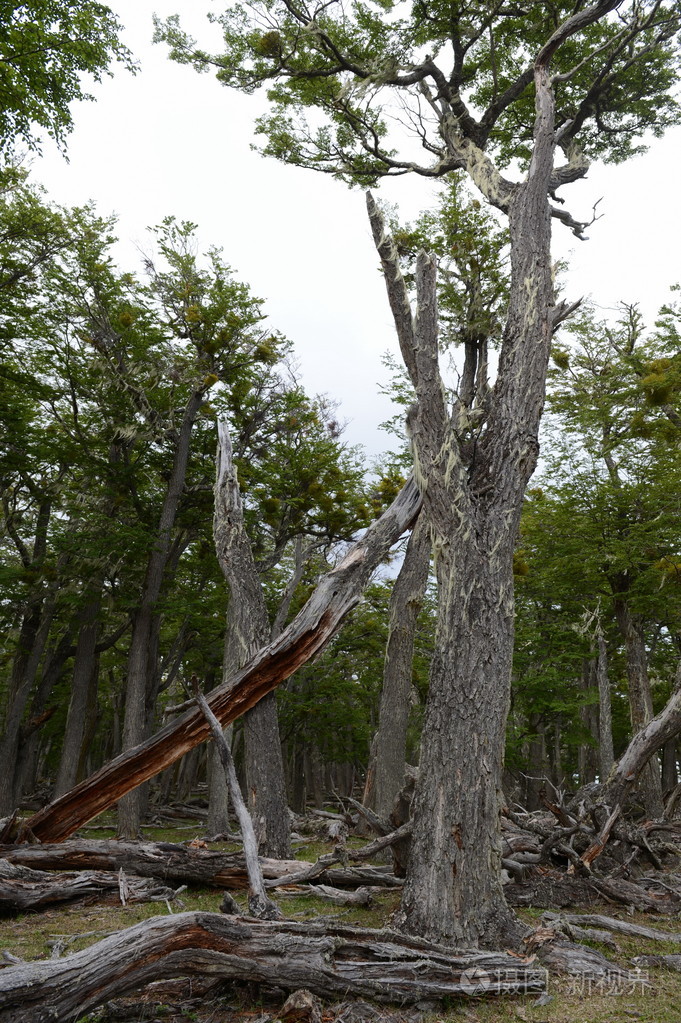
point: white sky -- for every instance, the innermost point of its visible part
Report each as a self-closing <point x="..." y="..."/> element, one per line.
<point x="170" y="141"/>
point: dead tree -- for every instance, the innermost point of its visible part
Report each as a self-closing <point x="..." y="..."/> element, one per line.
<point x="335" y="595"/>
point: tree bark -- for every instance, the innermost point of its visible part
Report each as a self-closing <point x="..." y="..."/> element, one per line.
<point x="605" y="745"/>
<point x="84" y="669"/>
<point x="141" y="658"/>
<point x="335" y="595"/>
<point x="31" y="643"/>
<point x="387" y="770"/>
<point x="326" y="960"/>
<point x="247" y="631"/>
<point x="621" y="784"/>
<point x="23" y="889"/>
<point x="640" y="699"/>
<point x="181" y="864"/>
<point x="473" y="497"/>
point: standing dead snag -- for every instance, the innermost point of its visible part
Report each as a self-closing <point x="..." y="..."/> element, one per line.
<point x="259" y="903"/>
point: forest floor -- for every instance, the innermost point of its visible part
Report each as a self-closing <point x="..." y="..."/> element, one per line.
<point x="652" y="994"/>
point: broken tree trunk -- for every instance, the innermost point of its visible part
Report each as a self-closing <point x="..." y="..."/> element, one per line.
<point x="335" y="595"/>
<point x="179" y="863"/>
<point x="621" y="783"/>
<point x="23" y="889"/>
<point x="259" y="902"/>
<point x="326" y="960"/>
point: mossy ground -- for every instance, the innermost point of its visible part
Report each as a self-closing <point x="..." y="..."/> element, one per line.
<point x="571" y="1000"/>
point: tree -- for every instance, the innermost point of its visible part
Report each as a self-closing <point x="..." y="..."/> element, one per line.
<point x="46" y="49"/>
<point x="585" y="80"/>
<point x="609" y="492"/>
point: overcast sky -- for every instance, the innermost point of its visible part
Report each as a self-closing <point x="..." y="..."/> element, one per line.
<point x="170" y="141"/>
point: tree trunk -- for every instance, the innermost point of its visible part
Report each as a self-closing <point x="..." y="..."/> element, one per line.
<point x="335" y="595"/>
<point x="30" y="648"/>
<point x="453" y="887"/>
<point x="605" y="744"/>
<point x="247" y="631"/>
<point x="84" y="670"/>
<point x="473" y="464"/>
<point x="665" y="726"/>
<point x="388" y="754"/>
<point x="181" y="864"/>
<point x="640" y="701"/>
<point x="341" y="961"/>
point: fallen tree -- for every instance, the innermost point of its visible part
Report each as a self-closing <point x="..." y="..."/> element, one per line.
<point x="345" y="961"/>
<point x="22" y="888"/>
<point x="318" y="621"/>
<point x="183" y="864"/>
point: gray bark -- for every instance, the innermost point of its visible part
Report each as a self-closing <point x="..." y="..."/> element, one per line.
<point x="665" y="726"/>
<point x="181" y="864"/>
<point x="389" y="751"/>
<point x="30" y="646"/>
<point x="605" y="745"/>
<point x="84" y="669"/>
<point x="247" y="631"/>
<point x="473" y="480"/>
<point x="640" y="701"/>
<point x="337" y="960"/>
<point x="141" y="658"/>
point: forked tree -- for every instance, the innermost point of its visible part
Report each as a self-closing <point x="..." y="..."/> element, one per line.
<point x="482" y="86"/>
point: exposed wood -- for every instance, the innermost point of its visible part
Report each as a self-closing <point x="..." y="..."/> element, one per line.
<point x="645" y="742"/>
<point x="618" y="926"/>
<point x="335" y="595"/>
<point x="360" y="897"/>
<point x="23" y="889"/>
<point x="599" y="843"/>
<point x="179" y="863"/>
<point x="369" y="850"/>
<point x="259" y="903"/>
<point x="337" y="960"/>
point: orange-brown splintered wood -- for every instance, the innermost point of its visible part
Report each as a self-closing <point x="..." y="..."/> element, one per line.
<point x="326" y="960"/>
<point x="335" y="595"/>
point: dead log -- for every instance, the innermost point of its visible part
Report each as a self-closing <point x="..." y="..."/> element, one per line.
<point x="553" y="889"/>
<point x="611" y="924"/>
<point x="23" y="889"/>
<point x="319" y="620"/>
<point x="338" y="960"/>
<point x="181" y="864"/>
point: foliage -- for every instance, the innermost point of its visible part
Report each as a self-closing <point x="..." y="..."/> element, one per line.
<point x="343" y="80"/>
<point x="46" y="49"/>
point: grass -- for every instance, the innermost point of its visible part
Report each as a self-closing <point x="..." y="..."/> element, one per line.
<point x="570" y="1000"/>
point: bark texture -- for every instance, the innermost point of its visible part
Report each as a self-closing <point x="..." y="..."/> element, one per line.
<point x="259" y="903"/>
<point x="248" y="630"/>
<point x="472" y="464"/>
<point x="389" y="752"/>
<point x="141" y="674"/>
<point x="327" y="961"/>
<point x="335" y="595"/>
<point x="640" y="698"/>
<point x="622" y="782"/>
